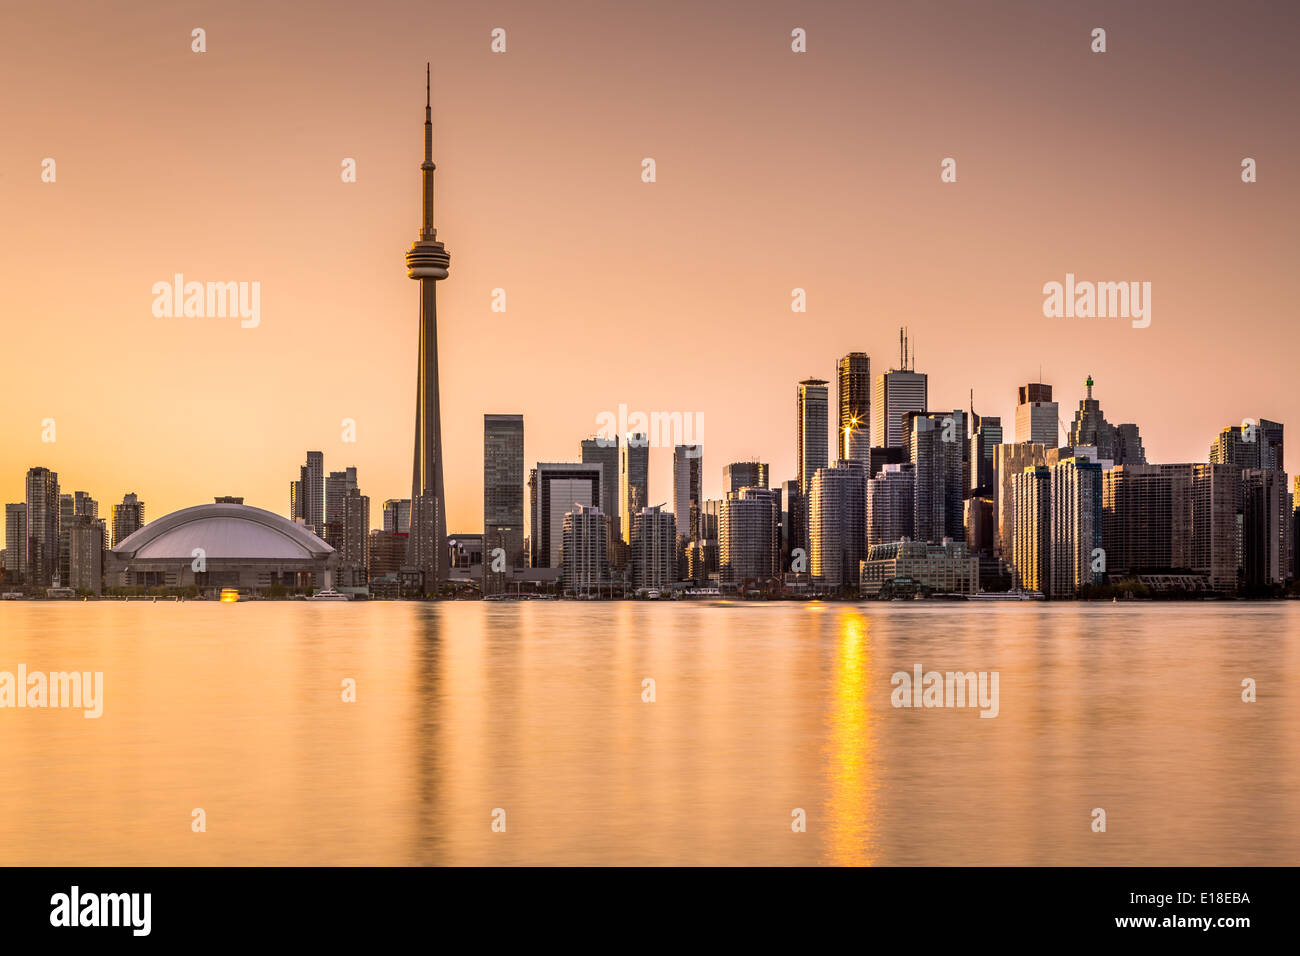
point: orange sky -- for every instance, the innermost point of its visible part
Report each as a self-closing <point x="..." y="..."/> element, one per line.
<point x="775" y="170"/>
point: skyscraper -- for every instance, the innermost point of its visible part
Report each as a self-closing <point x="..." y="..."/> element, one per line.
<point x="811" y="430"/>
<point x="987" y="435"/>
<point x="43" y="514"/>
<point x="811" y="452"/>
<point x="16" y="540"/>
<point x="85" y="553"/>
<point x="128" y="518"/>
<point x="555" y="489"/>
<point x="1029" y="550"/>
<point x="503" y="487"/>
<point x="354" y="552"/>
<point x="584" y="531"/>
<point x="338" y="484"/>
<point x="1264" y="514"/>
<point x="1037" y="416"/>
<point x="688" y="496"/>
<point x="653" y="552"/>
<point x="634" y="479"/>
<point x="1076" y="521"/>
<point x="853" y="436"/>
<point x="427" y="262"/>
<point x="605" y="451"/>
<point x="898" y="391"/>
<point x="307" y="494"/>
<point x="749" y="537"/>
<point x="936" y="452"/>
<point x="743" y="474"/>
<point x="1091" y="428"/>
<point x="837" y="523"/>
<point x="1249" y="445"/>
<point x="889" y="503"/>
<point x="397" y="515"/>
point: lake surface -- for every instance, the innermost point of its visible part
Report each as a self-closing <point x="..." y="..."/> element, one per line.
<point x="536" y="709"/>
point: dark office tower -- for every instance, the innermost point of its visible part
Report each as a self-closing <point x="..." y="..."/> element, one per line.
<point x="853" y="437"/>
<point x="889" y="504"/>
<point x="128" y="518"/>
<point x="634" y="478"/>
<point x="794" y="524"/>
<point x="1037" y="416"/>
<point x="605" y="453"/>
<point x="1264" y="528"/>
<point x="43" y="514"/>
<point x="338" y="484"/>
<point x="688" y="483"/>
<point x="986" y="437"/>
<point x="397" y="516"/>
<point x="1270" y="453"/>
<point x="1128" y="445"/>
<point x="898" y="391"/>
<point x="936" y="452"/>
<point x="743" y="474"/>
<point x="882" y="456"/>
<point x="503" y="488"/>
<point x="811" y="425"/>
<point x="555" y="489"/>
<point x="427" y="262"/>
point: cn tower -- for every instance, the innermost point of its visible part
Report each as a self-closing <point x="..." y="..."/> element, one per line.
<point x="427" y="262"/>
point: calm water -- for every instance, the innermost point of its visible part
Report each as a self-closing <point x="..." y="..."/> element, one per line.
<point x="536" y="708"/>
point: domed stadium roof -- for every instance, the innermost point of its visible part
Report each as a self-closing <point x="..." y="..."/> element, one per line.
<point x="222" y="531"/>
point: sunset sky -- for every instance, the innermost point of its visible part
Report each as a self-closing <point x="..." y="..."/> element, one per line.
<point x="775" y="170"/>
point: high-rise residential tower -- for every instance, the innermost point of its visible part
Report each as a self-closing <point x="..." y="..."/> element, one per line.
<point x="16" y="540"/>
<point x="128" y="518"/>
<point x="749" y="537"/>
<point x="1076" y="526"/>
<point x="853" y="435"/>
<point x="503" y="487"/>
<point x="426" y="262"/>
<point x="1029" y="551"/>
<point x="43" y="515"/>
<point x="837" y="523"/>
<point x="584" y="532"/>
<point x="338" y="484"/>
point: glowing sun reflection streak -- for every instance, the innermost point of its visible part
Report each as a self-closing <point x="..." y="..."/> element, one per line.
<point x="850" y="749"/>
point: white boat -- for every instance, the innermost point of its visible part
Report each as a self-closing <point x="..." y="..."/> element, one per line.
<point x="329" y="594"/>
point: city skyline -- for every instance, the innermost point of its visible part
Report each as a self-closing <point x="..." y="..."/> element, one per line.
<point x="165" y="422"/>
